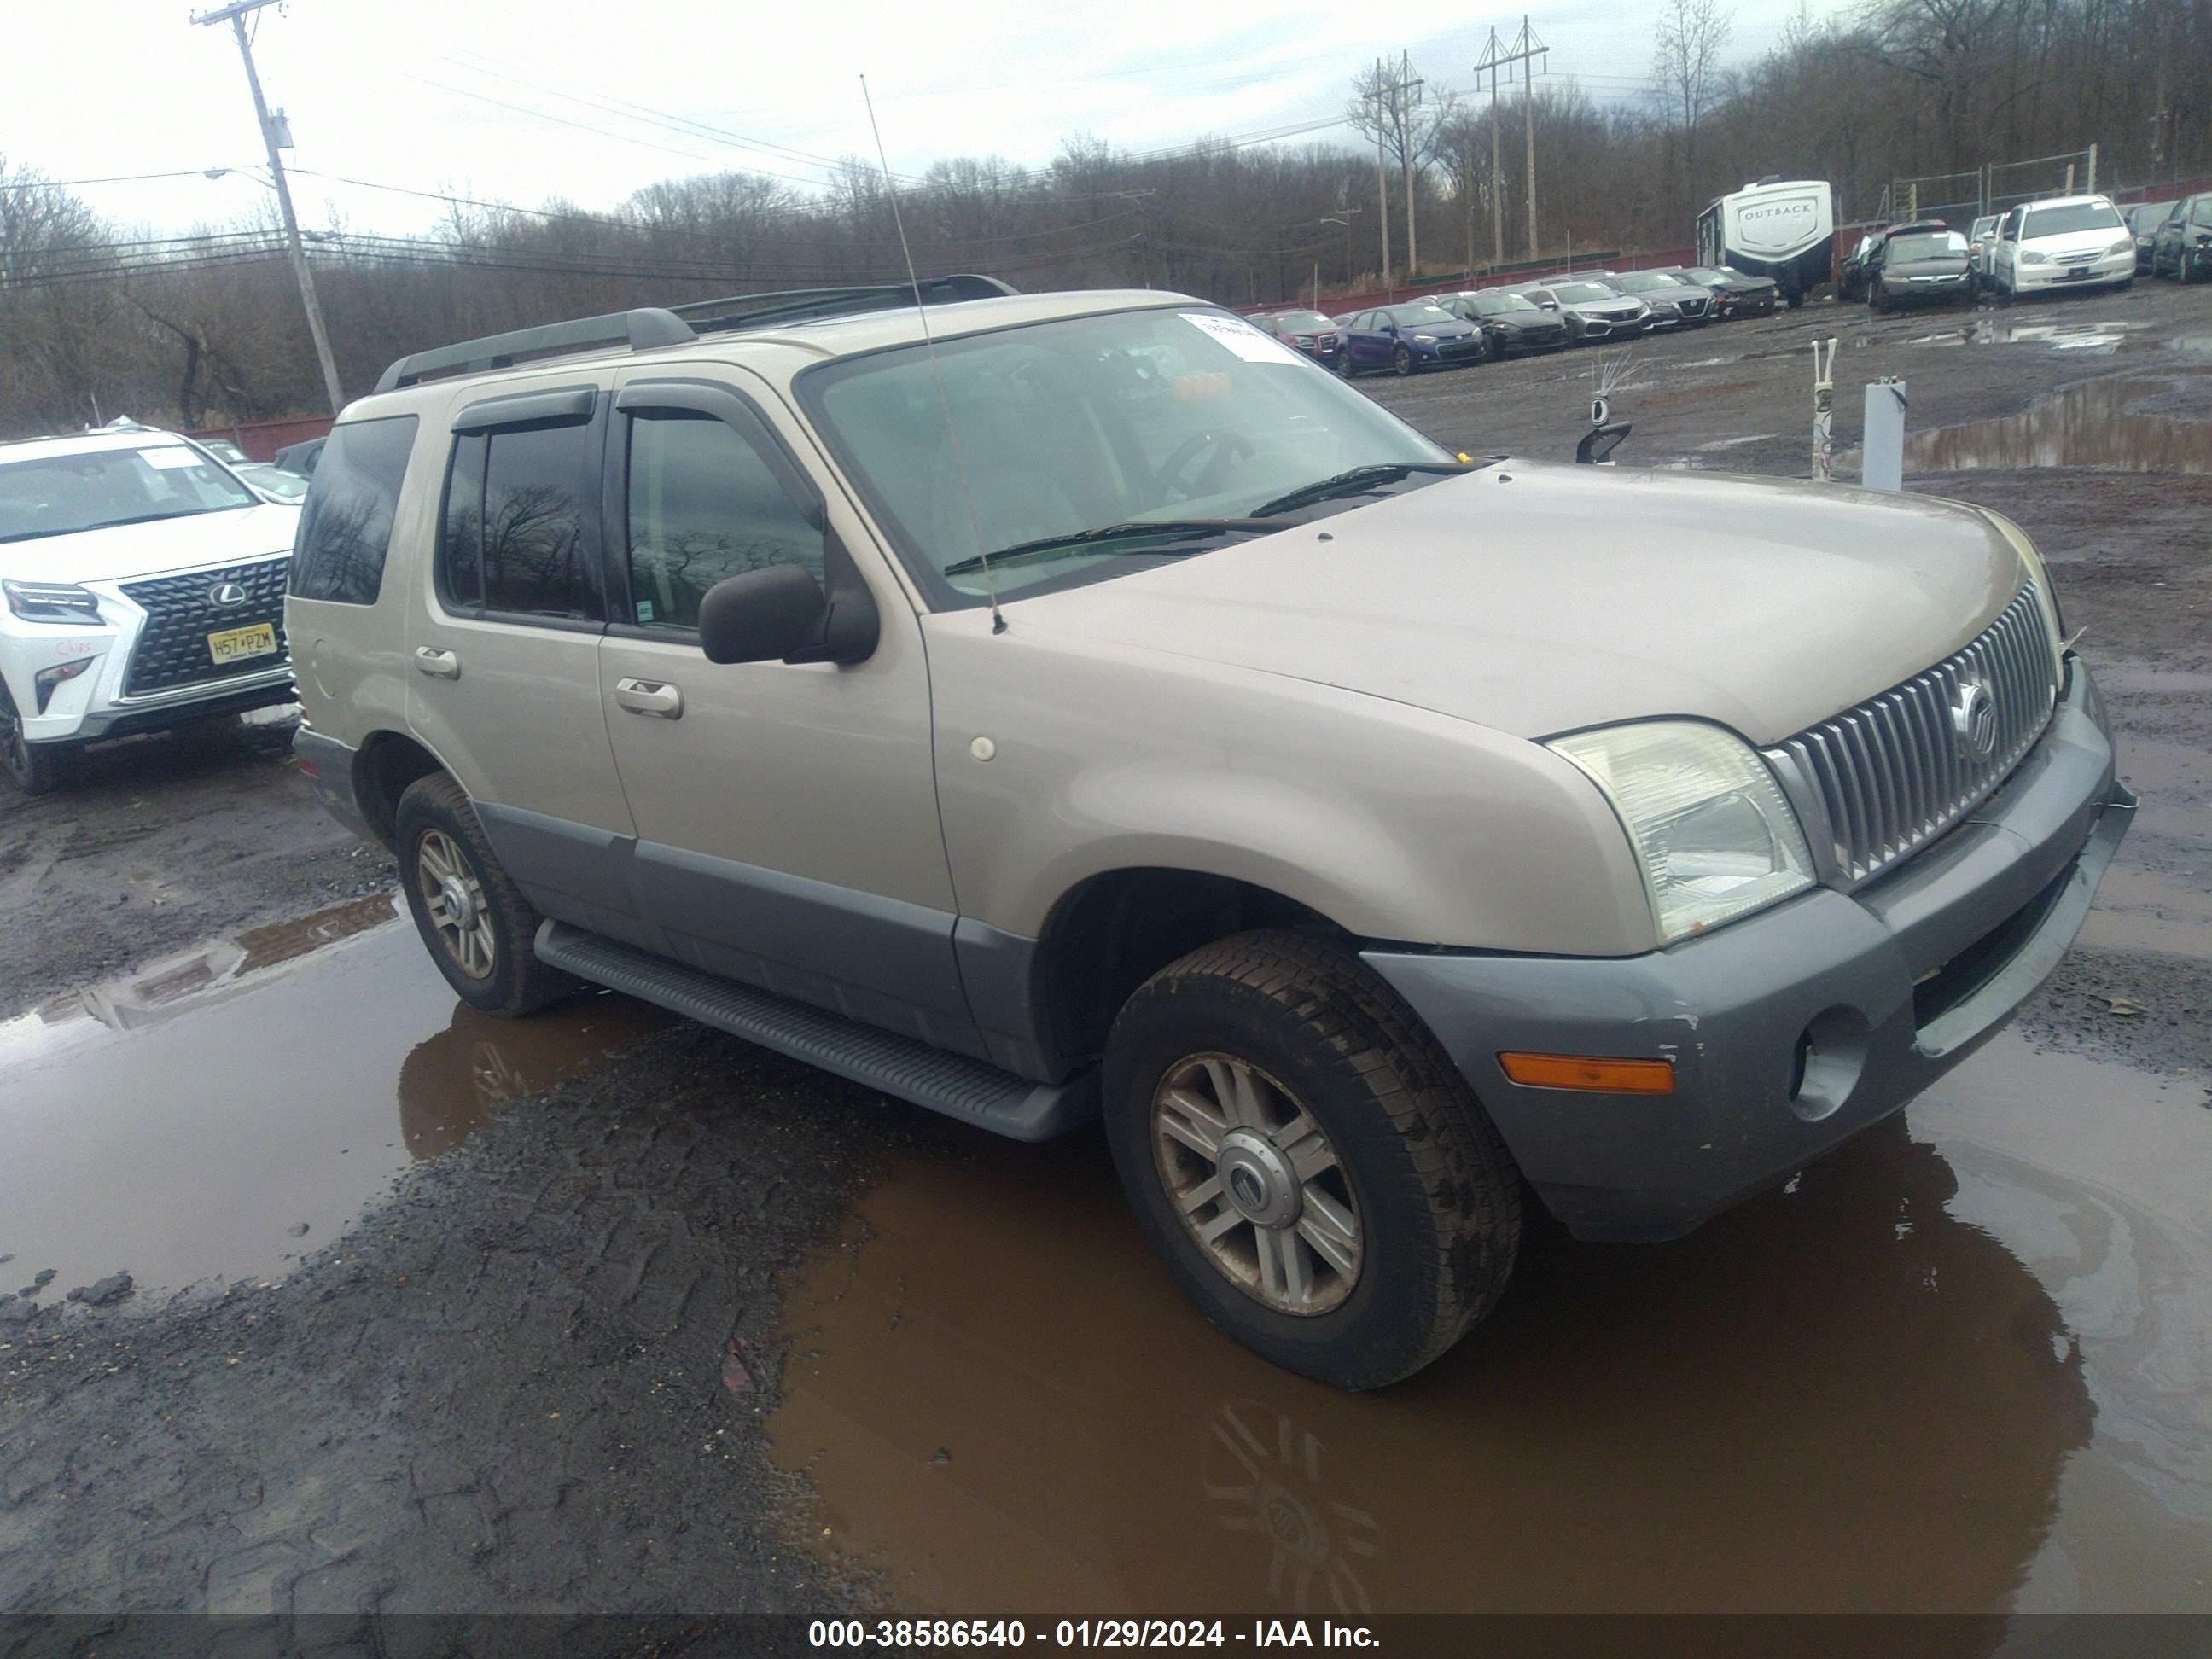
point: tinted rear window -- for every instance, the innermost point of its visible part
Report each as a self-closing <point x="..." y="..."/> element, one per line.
<point x="518" y="535"/>
<point x="345" y="528"/>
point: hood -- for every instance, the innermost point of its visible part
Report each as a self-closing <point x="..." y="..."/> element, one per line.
<point x="1454" y="330"/>
<point x="1612" y="310"/>
<point x="1536" y="599"/>
<point x="2076" y="244"/>
<point x="126" y="552"/>
<point x="1542" y="323"/>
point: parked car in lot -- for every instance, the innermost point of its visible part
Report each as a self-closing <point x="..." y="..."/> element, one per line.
<point x="2182" y="248"/>
<point x="2070" y="242"/>
<point x="1687" y="303"/>
<point x="224" y="451"/>
<point x="1512" y="323"/>
<point x="1981" y="241"/>
<point x="273" y="483"/>
<point x="1591" y="310"/>
<point x="143" y="587"/>
<point x="2143" y="219"/>
<point x="1306" y="333"/>
<point x="1409" y="337"/>
<point x="1237" y="764"/>
<point x="300" y="458"/>
<point x="1734" y="295"/>
<point x="1920" y="268"/>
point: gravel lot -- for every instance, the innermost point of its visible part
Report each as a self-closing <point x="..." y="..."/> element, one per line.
<point x="682" y="1328"/>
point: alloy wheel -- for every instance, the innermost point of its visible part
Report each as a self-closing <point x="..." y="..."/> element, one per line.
<point x="1257" y="1183"/>
<point x="453" y="899"/>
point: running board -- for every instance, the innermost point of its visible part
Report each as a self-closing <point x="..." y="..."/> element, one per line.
<point x="970" y="1089"/>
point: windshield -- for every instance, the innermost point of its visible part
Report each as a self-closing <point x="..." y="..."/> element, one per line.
<point x="1421" y="311"/>
<point x="1062" y="427"/>
<point x="1932" y="247"/>
<point x="1502" y="305"/>
<point x="1302" y="322"/>
<point x="2066" y="221"/>
<point x="61" y="495"/>
<point x="1583" y="293"/>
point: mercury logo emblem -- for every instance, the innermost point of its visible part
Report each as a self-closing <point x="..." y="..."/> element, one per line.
<point x="1974" y="720"/>
<point x="226" y="595"/>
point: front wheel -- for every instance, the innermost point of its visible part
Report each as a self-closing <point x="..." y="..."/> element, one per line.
<point x="1401" y="362"/>
<point x="476" y="924"/>
<point x="36" y="768"/>
<point x="1309" y="1164"/>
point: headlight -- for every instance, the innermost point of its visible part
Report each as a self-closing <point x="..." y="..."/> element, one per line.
<point x="2125" y="245"/>
<point x="1425" y="339"/>
<point x="1713" y="834"/>
<point x="51" y="602"/>
<point x="2028" y="256"/>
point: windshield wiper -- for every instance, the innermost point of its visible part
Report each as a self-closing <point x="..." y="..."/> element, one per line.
<point x="1180" y="530"/>
<point x="1346" y="484"/>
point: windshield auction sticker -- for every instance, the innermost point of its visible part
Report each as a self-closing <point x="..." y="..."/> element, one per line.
<point x="1241" y="337"/>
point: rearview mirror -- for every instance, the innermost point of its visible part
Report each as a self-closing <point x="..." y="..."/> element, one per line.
<point x="761" y="616"/>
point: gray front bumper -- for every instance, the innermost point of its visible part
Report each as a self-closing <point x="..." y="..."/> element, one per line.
<point x="327" y="765"/>
<point x="1794" y="1030"/>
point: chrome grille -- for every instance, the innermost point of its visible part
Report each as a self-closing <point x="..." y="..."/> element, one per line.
<point x="1893" y="773"/>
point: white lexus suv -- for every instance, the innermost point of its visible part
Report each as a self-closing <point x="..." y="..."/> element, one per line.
<point x="142" y="586"/>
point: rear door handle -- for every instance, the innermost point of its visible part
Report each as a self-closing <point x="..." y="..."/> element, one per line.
<point x="654" y="697"/>
<point x="439" y="664"/>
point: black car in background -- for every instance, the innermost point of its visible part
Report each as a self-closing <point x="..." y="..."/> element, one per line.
<point x="1307" y="332"/>
<point x="2182" y="246"/>
<point x="1512" y="323"/>
<point x="1692" y="305"/>
<point x="2143" y="220"/>
<point x="1922" y="267"/>
<point x="1734" y="294"/>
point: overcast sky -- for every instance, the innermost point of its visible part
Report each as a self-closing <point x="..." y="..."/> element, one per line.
<point x="455" y="95"/>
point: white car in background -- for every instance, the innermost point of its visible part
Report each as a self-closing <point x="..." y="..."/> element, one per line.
<point x="2068" y="241"/>
<point x="142" y="587"/>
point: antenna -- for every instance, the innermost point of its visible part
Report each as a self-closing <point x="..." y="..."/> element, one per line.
<point x="929" y="345"/>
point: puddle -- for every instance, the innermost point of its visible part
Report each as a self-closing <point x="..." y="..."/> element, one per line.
<point x="179" y="1122"/>
<point x="2083" y="426"/>
<point x="1962" y="1366"/>
<point x="2097" y="338"/>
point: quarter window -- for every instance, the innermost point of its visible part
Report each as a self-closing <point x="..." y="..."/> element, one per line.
<point x="517" y="535"/>
<point x="703" y="504"/>
<point x="345" y="527"/>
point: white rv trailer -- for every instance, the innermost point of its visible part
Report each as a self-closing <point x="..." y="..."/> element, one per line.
<point x="1775" y="228"/>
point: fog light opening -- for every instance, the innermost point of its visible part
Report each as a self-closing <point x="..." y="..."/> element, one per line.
<point x="1831" y="1054"/>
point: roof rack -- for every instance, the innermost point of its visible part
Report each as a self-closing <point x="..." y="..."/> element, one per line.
<point x="649" y="327"/>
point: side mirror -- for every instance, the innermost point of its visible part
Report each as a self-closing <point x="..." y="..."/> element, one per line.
<point x="1598" y="444"/>
<point x="761" y="616"/>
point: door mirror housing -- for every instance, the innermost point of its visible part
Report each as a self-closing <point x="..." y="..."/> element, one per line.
<point x="778" y="612"/>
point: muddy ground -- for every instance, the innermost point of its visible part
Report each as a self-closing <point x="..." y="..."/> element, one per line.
<point x="598" y="1312"/>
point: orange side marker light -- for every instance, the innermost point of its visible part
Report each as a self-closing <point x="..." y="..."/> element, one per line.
<point x="1614" y="1077"/>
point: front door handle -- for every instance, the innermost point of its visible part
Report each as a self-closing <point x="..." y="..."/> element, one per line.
<point x="654" y="697"/>
<point x="439" y="664"/>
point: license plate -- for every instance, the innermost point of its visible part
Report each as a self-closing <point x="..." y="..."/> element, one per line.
<point x="236" y="644"/>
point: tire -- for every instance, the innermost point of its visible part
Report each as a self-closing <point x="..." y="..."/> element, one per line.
<point x="1401" y="362"/>
<point x="485" y="954"/>
<point x="1344" y="366"/>
<point x="35" y="768"/>
<point x="1417" y="1179"/>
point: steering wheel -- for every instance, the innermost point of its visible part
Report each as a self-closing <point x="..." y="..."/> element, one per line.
<point x="1230" y="450"/>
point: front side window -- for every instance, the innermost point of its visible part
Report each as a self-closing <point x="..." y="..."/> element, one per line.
<point x="517" y="535"/>
<point x="101" y="489"/>
<point x="703" y="504"/>
<point x="1041" y="432"/>
<point x="345" y="528"/>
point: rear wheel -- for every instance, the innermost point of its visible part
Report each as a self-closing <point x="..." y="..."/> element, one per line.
<point x="36" y="768"/>
<point x="475" y="921"/>
<point x="1313" y="1169"/>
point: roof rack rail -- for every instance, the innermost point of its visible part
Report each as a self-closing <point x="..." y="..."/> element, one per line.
<point x="649" y="326"/>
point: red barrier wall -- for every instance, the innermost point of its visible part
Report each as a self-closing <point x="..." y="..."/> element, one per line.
<point x="261" y="439"/>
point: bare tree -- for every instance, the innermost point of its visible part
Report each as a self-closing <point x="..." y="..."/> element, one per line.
<point x="1686" y="62"/>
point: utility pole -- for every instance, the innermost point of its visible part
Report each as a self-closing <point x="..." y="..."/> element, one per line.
<point x="1491" y="60"/>
<point x="1382" y="173"/>
<point x="1406" y="83"/>
<point x="234" y="15"/>
<point x="1527" y="48"/>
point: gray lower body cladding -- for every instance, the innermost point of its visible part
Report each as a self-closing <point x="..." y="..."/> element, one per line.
<point x="1791" y="1030"/>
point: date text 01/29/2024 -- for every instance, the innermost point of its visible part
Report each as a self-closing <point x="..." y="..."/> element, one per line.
<point x="988" y="1634"/>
